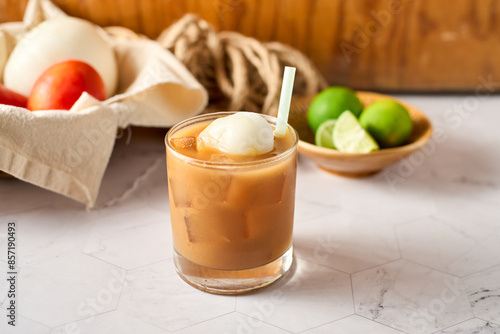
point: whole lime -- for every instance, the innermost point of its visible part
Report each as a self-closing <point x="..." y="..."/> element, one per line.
<point x="388" y="122"/>
<point x="330" y="103"/>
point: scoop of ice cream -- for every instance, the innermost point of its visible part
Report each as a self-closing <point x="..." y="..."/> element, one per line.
<point x="243" y="133"/>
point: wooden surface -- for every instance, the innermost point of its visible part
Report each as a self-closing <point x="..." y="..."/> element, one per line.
<point x="389" y="45"/>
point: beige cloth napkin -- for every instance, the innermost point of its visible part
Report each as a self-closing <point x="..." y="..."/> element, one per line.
<point x="67" y="151"/>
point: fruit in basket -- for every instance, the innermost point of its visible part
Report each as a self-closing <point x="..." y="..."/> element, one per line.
<point x="330" y="104"/>
<point x="56" y="40"/>
<point x="60" y="86"/>
<point x="3" y="53"/>
<point x="11" y="98"/>
<point x="388" y="122"/>
<point x="350" y="137"/>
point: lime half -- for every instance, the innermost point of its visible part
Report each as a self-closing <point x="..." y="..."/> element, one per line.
<point x="324" y="135"/>
<point x="350" y="137"/>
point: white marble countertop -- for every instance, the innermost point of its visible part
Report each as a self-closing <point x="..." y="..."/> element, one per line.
<point x="419" y="254"/>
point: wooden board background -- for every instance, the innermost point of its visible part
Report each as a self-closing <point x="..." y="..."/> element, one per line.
<point x="384" y="45"/>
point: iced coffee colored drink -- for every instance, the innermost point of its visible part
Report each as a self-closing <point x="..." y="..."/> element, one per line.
<point x="231" y="214"/>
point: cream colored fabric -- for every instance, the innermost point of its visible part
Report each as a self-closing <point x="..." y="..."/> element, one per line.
<point x="68" y="151"/>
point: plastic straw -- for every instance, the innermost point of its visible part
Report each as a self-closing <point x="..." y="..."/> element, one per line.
<point x="285" y="99"/>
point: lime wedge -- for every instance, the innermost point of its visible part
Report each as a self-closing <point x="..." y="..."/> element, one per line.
<point x="324" y="135"/>
<point x="350" y="137"/>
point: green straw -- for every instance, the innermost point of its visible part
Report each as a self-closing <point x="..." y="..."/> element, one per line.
<point x="285" y="99"/>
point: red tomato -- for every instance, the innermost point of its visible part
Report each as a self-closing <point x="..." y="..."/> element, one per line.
<point x="12" y="98"/>
<point x="61" y="85"/>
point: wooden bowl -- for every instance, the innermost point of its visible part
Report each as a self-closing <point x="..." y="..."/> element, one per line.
<point x="356" y="164"/>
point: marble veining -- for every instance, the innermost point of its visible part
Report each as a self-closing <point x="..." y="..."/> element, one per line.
<point x="409" y="297"/>
<point x="353" y="324"/>
<point x="483" y="289"/>
<point x="473" y="326"/>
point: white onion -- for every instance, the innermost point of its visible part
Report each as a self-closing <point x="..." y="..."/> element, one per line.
<point x="56" y="40"/>
<point x="3" y="53"/>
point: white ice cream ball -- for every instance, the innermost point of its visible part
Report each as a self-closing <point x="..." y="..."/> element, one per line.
<point x="243" y="133"/>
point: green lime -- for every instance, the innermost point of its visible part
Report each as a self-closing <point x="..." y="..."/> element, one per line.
<point x="388" y="122"/>
<point x="350" y="137"/>
<point x="330" y="103"/>
<point x="324" y="136"/>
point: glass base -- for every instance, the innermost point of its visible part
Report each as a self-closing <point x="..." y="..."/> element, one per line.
<point x="232" y="282"/>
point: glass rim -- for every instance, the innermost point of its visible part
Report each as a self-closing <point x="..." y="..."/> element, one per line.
<point x="237" y="164"/>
